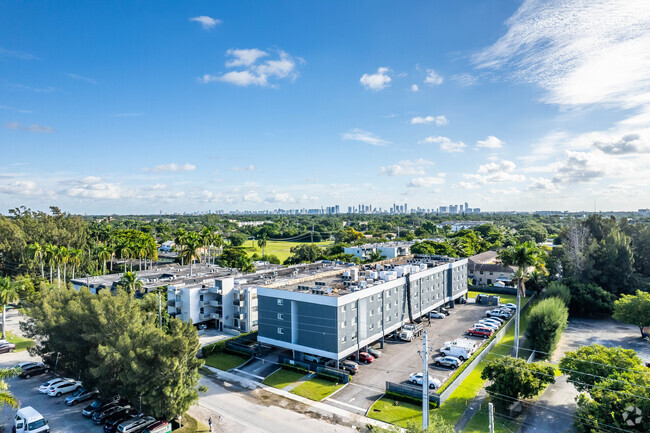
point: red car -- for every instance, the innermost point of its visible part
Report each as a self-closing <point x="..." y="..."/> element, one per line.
<point x="480" y="332"/>
<point x="366" y="357"/>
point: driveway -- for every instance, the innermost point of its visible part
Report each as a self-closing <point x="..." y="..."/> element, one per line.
<point x="399" y="359"/>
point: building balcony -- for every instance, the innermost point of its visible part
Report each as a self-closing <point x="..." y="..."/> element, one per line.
<point x="214" y="303"/>
<point x="215" y="316"/>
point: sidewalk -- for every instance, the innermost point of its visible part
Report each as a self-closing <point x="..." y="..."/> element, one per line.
<point x="316" y="406"/>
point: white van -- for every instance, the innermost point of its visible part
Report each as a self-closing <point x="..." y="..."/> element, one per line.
<point x="460" y="352"/>
<point x="29" y="420"/>
<point x="312" y="358"/>
<point x="464" y="342"/>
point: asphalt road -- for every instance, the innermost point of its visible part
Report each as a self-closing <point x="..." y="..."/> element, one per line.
<point x="399" y="359"/>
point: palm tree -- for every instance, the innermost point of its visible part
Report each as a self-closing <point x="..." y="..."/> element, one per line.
<point x="130" y="282"/>
<point x="50" y="257"/>
<point x="152" y="251"/>
<point x="6" y="397"/>
<point x="62" y="257"/>
<point x="261" y="242"/>
<point x="523" y="256"/>
<point x="190" y="250"/>
<point x="140" y="250"/>
<point x="206" y="236"/>
<point x="179" y="240"/>
<point x="8" y="295"/>
<point x="125" y="251"/>
<point x="37" y="252"/>
<point x="376" y="256"/>
<point x="75" y="259"/>
<point x="104" y="253"/>
<point x="218" y="242"/>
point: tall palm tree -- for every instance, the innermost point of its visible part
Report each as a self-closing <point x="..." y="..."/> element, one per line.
<point x="104" y="253"/>
<point x="523" y="256"/>
<point x="152" y="251"/>
<point x="206" y="236"/>
<point x="62" y="257"/>
<point x="6" y="397"/>
<point x="179" y="240"/>
<point x="218" y="242"/>
<point x="125" y="251"/>
<point x="50" y="257"/>
<point x="37" y="252"/>
<point x="75" y="259"/>
<point x="376" y="256"/>
<point x="8" y="295"/>
<point x="190" y="250"/>
<point x="130" y="282"/>
<point x="140" y="250"/>
<point x="261" y="242"/>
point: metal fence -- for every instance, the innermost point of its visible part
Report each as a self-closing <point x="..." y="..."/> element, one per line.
<point x="411" y="391"/>
<point x="342" y="375"/>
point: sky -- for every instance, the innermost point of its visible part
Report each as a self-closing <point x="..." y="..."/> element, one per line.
<point x="148" y="107"/>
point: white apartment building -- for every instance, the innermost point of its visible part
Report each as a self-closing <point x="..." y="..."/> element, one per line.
<point x="390" y="250"/>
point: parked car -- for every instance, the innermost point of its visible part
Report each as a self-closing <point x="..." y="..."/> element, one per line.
<point x="99" y="404"/>
<point x="480" y="297"/>
<point x="461" y="300"/>
<point x="112" y="422"/>
<point x="490" y="325"/>
<point x="28" y="419"/>
<point x="460" y="352"/>
<point x="161" y="426"/>
<point x="509" y="306"/>
<point x="80" y="395"/>
<point x="447" y="361"/>
<point x="350" y="366"/>
<point x="366" y="357"/>
<point x="312" y="358"/>
<point x="480" y="332"/>
<point x="498" y="313"/>
<point x="493" y="320"/>
<point x="374" y="352"/>
<point x="65" y="387"/>
<point x="445" y="311"/>
<point x="34" y="370"/>
<point x="99" y="416"/>
<point x="43" y="389"/>
<point x="136" y="425"/>
<point x="6" y="347"/>
<point x="436" y="315"/>
<point x="417" y="379"/>
<point x="24" y="365"/>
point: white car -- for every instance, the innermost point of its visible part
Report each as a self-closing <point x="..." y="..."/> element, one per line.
<point x="43" y="389"/>
<point x="63" y="387"/>
<point x="416" y="378"/>
<point x="490" y="325"/>
<point x="501" y="314"/>
<point x="436" y="315"/>
<point x="490" y="322"/>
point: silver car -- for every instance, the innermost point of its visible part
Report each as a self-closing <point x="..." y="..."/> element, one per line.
<point x="447" y="361"/>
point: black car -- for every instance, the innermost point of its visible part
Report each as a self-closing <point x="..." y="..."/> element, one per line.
<point x="34" y="370"/>
<point x="445" y="311"/>
<point x="112" y="422"/>
<point x="99" y="404"/>
<point x="99" y="416"/>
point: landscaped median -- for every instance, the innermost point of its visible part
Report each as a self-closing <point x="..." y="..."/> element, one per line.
<point x="314" y="386"/>
<point x="218" y="355"/>
<point x="21" y="343"/>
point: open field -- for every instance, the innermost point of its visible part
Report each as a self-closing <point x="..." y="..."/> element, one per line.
<point x="505" y="299"/>
<point x="283" y="378"/>
<point x="277" y="248"/>
<point x="225" y="361"/>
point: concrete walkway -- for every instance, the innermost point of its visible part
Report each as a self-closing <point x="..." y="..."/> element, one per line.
<point x="302" y="380"/>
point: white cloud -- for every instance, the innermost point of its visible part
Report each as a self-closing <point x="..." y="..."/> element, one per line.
<point x="407" y="168"/>
<point x="17" y="54"/>
<point x="171" y="168"/>
<point x="465" y="80"/>
<point x="628" y="144"/>
<point x="377" y="81"/>
<point x="96" y="188"/>
<point x="243" y="169"/>
<point x="18" y="110"/>
<point x="82" y="78"/>
<point x="446" y="145"/>
<point x="415" y="88"/>
<point x="432" y="78"/>
<point x="29" y="128"/>
<point x="505" y="166"/>
<point x="491" y="142"/>
<point x="493" y="172"/>
<point x="24" y="188"/>
<point x="251" y="197"/>
<point x="438" y="120"/>
<point x="206" y="22"/>
<point x="425" y="182"/>
<point x="581" y="167"/>
<point x="278" y="197"/>
<point x="365" y="137"/>
<point x="255" y="72"/>
<point x="542" y="184"/>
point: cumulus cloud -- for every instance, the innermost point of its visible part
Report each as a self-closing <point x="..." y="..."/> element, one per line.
<point x="29" y="128"/>
<point x="494" y="172"/>
<point x="407" y="168"/>
<point x="491" y="142"/>
<point x="24" y="188"/>
<point x="377" y="81"/>
<point x="438" y="120"/>
<point x="96" y="188"/>
<point x="415" y="88"/>
<point x="446" y="145"/>
<point x="278" y="197"/>
<point x="542" y="184"/>
<point x="206" y="22"/>
<point x="365" y="137"/>
<point x="171" y="168"/>
<point x="630" y="143"/>
<point x="253" y="71"/>
<point x="432" y="78"/>
<point x="580" y="167"/>
<point x="243" y="169"/>
<point x="425" y="182"/>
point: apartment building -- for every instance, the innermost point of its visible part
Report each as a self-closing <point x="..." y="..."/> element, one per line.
<point x="335" y="314"/>
<point x="389" y="250"/>
<point x="485" y="269"/>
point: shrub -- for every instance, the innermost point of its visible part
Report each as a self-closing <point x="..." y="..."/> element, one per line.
<point x="588" y="300"/>
<point x="546" y="322"/>
<point x="560" y="291"/>
<point x="515" y="378"/>
<point x="409" y="399"/>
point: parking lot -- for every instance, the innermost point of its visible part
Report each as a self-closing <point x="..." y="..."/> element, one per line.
<point x="400" y="358"/>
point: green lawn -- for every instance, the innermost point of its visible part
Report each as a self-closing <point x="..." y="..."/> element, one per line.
<point x="191" y="425"/>
<point x="505" y="299"/>
<point x="316" y="388"/>
<point x="395" y="412"/>
<point x="277" y="248"/>
<point x="479" y="423"/>
<point x="20" y="342"/>
<point x="225" y="361"/>
<point x="282" y="378"/>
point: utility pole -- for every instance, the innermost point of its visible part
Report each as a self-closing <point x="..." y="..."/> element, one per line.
<point x="491" y="417"/>
<point x="159" y="308"/>
<point x="425" y="383"/>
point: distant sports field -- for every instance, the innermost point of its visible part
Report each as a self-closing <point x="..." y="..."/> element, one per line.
<point x="277" y="248"/>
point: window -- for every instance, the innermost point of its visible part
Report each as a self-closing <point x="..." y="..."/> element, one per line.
<point x="354" y="336"/>
<point x="371" y="326"/>
<point x="491" y="273"/>
<point x="343" y="324"/>
<point x="354" y="321"/>
<point x="343" y="339"/>
<point x="280" y="331"/>
<point x="372" y="312"/>
<point x="388" y="306"/>
<point x="481" y="272"/>
<point x="280" y="316"/>
<point x="280" y="301"/>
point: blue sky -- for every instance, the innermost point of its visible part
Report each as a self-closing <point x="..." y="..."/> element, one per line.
<point x="132" y="107"/>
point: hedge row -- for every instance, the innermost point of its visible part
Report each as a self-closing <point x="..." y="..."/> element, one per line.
<point x="220" y="346"/>
<point x="409" y="399"/>
<point x="295" y="368"/>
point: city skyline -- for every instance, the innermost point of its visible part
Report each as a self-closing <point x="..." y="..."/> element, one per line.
<point x="514" y="105"/>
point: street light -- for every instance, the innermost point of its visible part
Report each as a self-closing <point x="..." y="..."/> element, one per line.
<point x="58" y="355"/>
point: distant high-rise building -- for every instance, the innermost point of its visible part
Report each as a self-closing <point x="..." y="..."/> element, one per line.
<point x="443" y="209"/>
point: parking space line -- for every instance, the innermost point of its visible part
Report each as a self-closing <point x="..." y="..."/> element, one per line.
<point x="247" y="373"/>
<point x="367" y="387"/>
<point x="345" y="404"/>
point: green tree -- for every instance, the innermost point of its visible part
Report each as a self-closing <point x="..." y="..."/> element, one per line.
<point x="304" y="253"/>
<point x="524" y="256"/>
<point x="514" y="378"/>
<point x="610" y="263"/>
<point x="104" y="253"/>
<point x="261" y="242"/>
<point x="130" y="283"/>
<point x="588" y="300"/>
<point x="349" y="235"/>
<point x="558" y="290"/>
<point x="237" y="239"/>
<point x="75" y="259"/>
<point x="634" y="309"/>
<point x="375" y="256"/>
<point x="190" y="251"/>
<point x="6" y="397"/>
<point x="8" y="295"/>
<point x="37" y="253"/>
<point x="546" y="322"/>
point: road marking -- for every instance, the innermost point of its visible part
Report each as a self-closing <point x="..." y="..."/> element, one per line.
<point x="345" y="404"/>
<point x="247" y="373"/>
<point x="352" y="399"/>
<point x="367" y="387"/>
